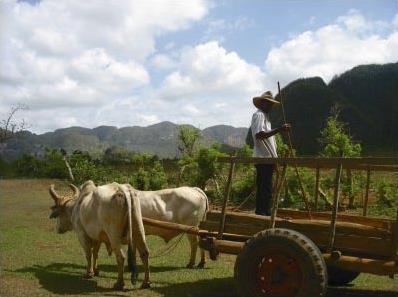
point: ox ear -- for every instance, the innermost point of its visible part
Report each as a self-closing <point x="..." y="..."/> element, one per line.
<point x="76" y="191"/>
<point x="54" y="195"/>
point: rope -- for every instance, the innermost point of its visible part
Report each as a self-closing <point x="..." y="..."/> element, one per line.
<point x="244" y="201"/>
<point x="169" y="248"/>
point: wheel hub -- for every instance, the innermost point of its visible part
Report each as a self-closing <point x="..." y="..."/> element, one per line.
<point x="279" y="275"/>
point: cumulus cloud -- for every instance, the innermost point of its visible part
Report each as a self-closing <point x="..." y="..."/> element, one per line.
<point x="209" y="69"/>
<point x="349" y="41"/>
<point x="71" y="54"/>
<point x="85" y="63"/>
<point x="210" y="84"/>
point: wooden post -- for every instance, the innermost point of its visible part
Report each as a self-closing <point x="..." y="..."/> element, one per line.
<point x="226" y="198"/>
<point x="365" y="205"/>
<point x="277" y="194"/>
<point x="396" y="236"/>
<point x="350" y="185"/>
<point x="316" y="194"/>
<point x="335" y="207"/>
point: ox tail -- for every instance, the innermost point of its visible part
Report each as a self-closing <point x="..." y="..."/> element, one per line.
<point x="206" y="202"/>
<point x="130" y="261"/>
<point x="129" y="219"/>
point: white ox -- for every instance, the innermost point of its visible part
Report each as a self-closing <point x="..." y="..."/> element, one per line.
<point x="111" y="214"/>
<point x="184" y="205"/>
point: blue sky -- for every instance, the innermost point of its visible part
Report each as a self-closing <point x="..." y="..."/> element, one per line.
<point x="139" y="62"/>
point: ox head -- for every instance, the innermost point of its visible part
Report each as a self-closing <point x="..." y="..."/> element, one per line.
<point x="60" y="211"/>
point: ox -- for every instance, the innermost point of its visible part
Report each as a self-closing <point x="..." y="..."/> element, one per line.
<point x="184" y="205"/>
<point x="111" y="214"/>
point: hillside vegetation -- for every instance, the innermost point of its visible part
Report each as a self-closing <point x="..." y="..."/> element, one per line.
<point x="366" y="96"/>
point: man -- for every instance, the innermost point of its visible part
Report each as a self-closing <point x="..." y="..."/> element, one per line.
<point x="264" y="147"/>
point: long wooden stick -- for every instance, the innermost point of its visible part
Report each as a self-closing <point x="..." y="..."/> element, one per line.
<point x="277" y="195"/>
<point x="316" y="194"/>
<point x="226" y="198"/>
<point x="292" y="154"/>
<point x="335" y="207"/>
<point x="365" y="206"/>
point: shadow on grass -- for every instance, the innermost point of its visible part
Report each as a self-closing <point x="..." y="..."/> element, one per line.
<point x="55" y="279"/>
<point x="351" y="292"/>
<point x="225" y="287"/>
<point x="66" y="278"/>
<point x="219" y="287"/>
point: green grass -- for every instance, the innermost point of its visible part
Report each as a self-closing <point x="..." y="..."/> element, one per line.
<point x="36" y="261"/>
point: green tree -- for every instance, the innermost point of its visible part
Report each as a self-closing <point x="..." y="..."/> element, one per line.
<point x="187" y="138"/>
<point x="335" y="140"/>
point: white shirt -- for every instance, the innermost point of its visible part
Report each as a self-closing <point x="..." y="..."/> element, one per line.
<point x="260" y="122"/>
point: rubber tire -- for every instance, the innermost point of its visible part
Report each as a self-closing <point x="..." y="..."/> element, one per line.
<point x="341" y="277"/>
<point x="309" y="257"/>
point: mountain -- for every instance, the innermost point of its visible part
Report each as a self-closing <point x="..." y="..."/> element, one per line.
<point x="367" y="97"/>
<point x="159" y="139"/>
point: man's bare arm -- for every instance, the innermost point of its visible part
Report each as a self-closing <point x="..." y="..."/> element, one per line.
<point x="264" y="135"/>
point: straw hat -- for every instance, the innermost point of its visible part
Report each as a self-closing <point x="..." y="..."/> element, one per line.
<point x="266" y="96"/>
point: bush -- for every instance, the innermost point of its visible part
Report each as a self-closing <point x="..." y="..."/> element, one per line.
<point x="28" y="166"/>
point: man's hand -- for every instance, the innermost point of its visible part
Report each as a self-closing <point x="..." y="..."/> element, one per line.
<point x="285" y="128"/>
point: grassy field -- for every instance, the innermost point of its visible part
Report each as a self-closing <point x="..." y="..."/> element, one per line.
<point x="36" y="261"/>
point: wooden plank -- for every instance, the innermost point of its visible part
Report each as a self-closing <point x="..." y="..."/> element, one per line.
<point x="326" y="216"/>
<point x="312" y="226"/>
<point x="379" y="267"/>
<point x="315" y="225"/>
<point x="171" y="226"/>
<point x="350" y="244"/>
<point x="314" y="161"/>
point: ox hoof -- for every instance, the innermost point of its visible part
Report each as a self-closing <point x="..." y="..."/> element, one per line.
<point x="96" y="272"/>
<point x="88" y="275"/>
<point x="146" y="285"/>
<point x="190" y="265"/>
<point x="201" y="265"/>
<point x="118" y="286"/>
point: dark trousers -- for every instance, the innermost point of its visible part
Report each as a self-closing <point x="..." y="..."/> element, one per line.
<point x="264" y="188"/>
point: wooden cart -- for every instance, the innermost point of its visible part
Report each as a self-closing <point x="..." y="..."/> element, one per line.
<point x="297" y="253"/>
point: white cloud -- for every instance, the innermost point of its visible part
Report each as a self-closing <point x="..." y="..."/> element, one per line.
<point x="218" y="29"/>
<point x="209" y="85"/>
<point x="208" y="69"/>
<point x="162" y="61"/>
<point x="332" y="49"/>
<point x="80" y="54"/>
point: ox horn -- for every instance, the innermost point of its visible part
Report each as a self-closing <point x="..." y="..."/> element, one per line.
<point x="76" y="191"/>
<point x="54" y="194"/>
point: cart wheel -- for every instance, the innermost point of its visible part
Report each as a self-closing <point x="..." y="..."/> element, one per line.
<point x="280" y="263"/>
<point x="341" y="277"/>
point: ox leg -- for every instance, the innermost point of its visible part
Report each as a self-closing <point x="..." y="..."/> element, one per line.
<point x="117" y="248"/>
<point x="144" y="255"/>
<point x="202" y="259"/>
<point x="96" y="248"/>
<point x="193" y="241"/>
<point x="86" y="244"/>
<point x="132" y="262"/>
